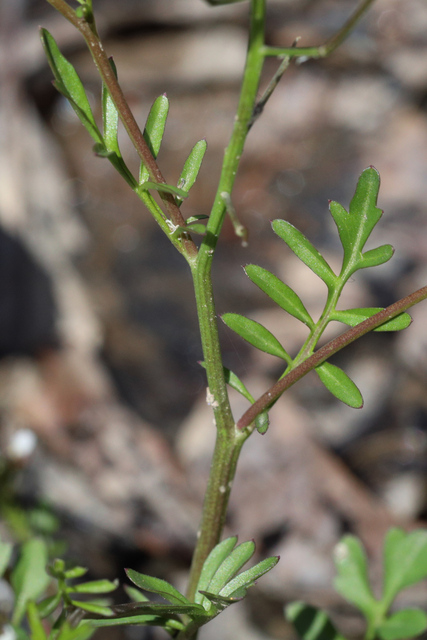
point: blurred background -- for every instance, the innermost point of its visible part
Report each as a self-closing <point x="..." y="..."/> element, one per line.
<point x="105" y="434"/>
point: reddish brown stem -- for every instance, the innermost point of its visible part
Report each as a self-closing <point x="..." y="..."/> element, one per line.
<point x="328" y="350"/>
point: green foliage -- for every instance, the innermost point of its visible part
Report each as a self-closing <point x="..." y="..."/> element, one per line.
<point x="311" y="623"/>
<point x="354" y="228"/>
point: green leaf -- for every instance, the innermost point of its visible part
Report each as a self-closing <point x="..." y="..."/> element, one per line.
<point x="220" y="602"/>
<point x="192" y="165"/>
<point x="36" y="626"/>
<point x="135" y="594"/>
<point x="262" y="422"/>
<point x="355" y="227"/>
<point x="156" y="585"/>
<point x="47" y="606"/>
<point x="82" y="632"/>
<point x="405" y="561"/>
<point x="200" y="229"/>
<point x="110" y="118"/>
<point x="75" y="572"/>
<point x="408" y="623"/>
<point x="257" y="335"/>
<point x="166" y="188"/>
<point x="339" y="384"/>
<point x="154" y="130"/>
<point x="352" y="580"/>
<point x="92" y="607"/>
<point x="69" y="84"/>
<point x="375" y="257"/>
<point x="231" y="565"/>
<point x="29" y="578"/>
<point x="279" y="292"/>
<point x="247" y="578"/>
<point x="311" y="623"/>
<point x="95" y="586"/>
<point x="212" y="563"/>
<point x="305" y="251"/>
<point x="6" y="549"/>
<point x="353" y="317"/>
<point x="149" y="613"/>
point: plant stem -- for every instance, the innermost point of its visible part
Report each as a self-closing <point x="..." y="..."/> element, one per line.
<point x="330" y="45"/>
<point x="327" y="351"/>
<point x="134" y="132"/>
<point x="229" y="440"/>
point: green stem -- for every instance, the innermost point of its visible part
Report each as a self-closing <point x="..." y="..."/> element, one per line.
<point x="229" y="441"/>
<point x="327" y="351"/>
<point x="330" y="45"/>
<point x="126" y="116"/>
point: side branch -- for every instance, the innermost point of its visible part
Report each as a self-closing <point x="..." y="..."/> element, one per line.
<point x="327" y="351"/>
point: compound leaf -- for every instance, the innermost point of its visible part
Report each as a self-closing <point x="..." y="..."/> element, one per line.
<point x="311" y="623"/>
<point x="339" y="384"/>
<point x="352" y="580"/>
<point x="157" y="585"/>
<point x="69" y="84"/>
<point x="405" y="561"/>
<point x="257" y="335"/>
<point x="408" y="623"/>
<point x="353" y="317"/>
<point x="305" y="251"/>
<point x="279" y="292"/>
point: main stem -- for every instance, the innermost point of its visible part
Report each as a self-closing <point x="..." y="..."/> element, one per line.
<point x="229" y="439"/>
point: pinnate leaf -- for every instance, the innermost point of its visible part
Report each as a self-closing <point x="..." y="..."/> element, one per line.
<point x="405" y="561"/>
<point x="256" y="334"/>
<point x="69" y="84"/>
<point x="339" y="384"/>
<point x="408" y="623"/>
<point x="279" y="292"/>
<point x="353" y="317"/>
<point x="305" y="251"/>
<point x="311" y="623"/>
<point x="352" y="579"/>
<point x="156" y="585"/>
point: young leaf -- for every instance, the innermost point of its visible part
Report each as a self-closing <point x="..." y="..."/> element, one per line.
<point x="192" y="166"/>
<point x="231" y="565"/>
<point x="95" y="586"/>
<point x="353" y="317"/>
<point x="305" y="251"/>
<point x="405" y="561"/>
<point x="91" y="607"/>
<point x="29" y="578"/>
<point x="75" y="572"/>
<point x="339" y="384"/>
<point x="279" y="292"/>
<point x="154" y="130"/>
<point x="408" y="623"/>
<point x="257" y="335"/>
<point x="36" y="626"/>
<point x="47" y="606"/>
<point x="212" y="564"/>
<point x="69" y="84"/>
<point x="247" y="578"/>
<point x="156" y="585"/>
<point x="352" y="580"/>
<point x="311" y="623"/>
<point x="110" y="118"/>
<point x="355" y="227"/>
<point x="262" y="422"/>
<point x="166" y="188"/>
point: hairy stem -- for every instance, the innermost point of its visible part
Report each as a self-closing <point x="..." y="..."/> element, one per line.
<point x="327" y="351"/>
